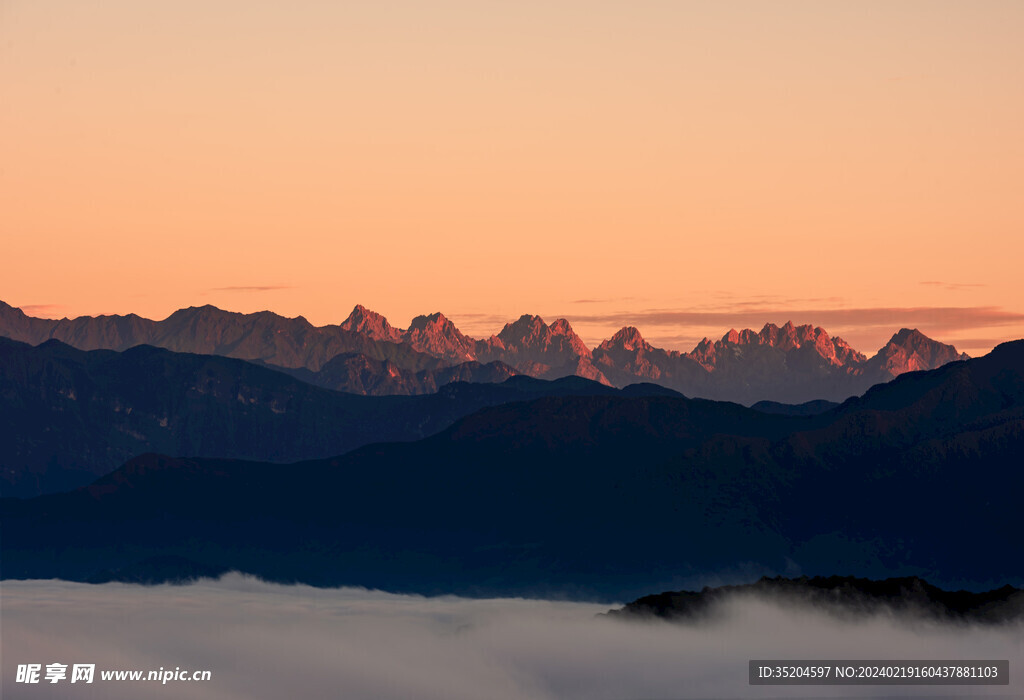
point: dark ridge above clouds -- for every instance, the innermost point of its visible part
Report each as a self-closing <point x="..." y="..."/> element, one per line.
<point x="808" y="408"/>
<point x="842" y="596"/>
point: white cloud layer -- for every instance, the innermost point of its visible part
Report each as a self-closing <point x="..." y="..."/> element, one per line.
<point x="262" y="640"/>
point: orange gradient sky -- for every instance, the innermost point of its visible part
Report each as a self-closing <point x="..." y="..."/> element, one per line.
<point x="679" y="166"/>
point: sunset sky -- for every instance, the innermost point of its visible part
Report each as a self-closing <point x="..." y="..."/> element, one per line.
<point x="684" y="167"/>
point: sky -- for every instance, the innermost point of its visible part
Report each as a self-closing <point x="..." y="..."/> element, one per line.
<point x="683" y="167"/>
<point x="260" y="640"/>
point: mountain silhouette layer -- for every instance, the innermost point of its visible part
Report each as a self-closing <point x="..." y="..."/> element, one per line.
<point x="607" y="495"/>
<point x="355" y="373"/>
<point x="68" y="416"/>
<point x="785" y="364"/>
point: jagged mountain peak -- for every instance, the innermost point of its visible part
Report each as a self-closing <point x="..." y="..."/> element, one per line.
<point x="437" y="335"/>
<point x="531" y="333"/>
<point x="788" y="337"/>
<point x="371" y="324"/>
<point x="913" y="338"/>
<point x="791" y="335"/>
<point x="908" y="336"/>
<point x="627" y="338"/>
<point x="785" y="337"/>
<point x="525" y="325"/>
<point x="911" y="350"/>
<point x="434" y="320"/>
<point x="561" y="326"/>
<point x="527" y="329"/>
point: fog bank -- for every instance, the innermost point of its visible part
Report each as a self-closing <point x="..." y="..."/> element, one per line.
<point x="262" y="640"/>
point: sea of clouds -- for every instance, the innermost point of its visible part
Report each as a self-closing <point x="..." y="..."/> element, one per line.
<point x="263" y="640"/>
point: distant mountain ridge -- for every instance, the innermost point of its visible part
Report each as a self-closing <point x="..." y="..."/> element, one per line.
<point x="787" y="364"/>
<point x="207" y="330"/>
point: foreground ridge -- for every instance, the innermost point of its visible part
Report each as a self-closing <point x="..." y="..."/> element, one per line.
<point x="841" y="596"/>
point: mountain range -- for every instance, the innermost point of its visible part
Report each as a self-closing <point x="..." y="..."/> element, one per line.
<point x="607" y="495"/>
<point x="365" y="354"/>
<point x="68" y="416"/>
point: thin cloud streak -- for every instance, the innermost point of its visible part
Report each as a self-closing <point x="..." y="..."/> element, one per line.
<point x="965" y="343"/>
<point x="954" y="286"/>
<point x="950" y="317"/>
<point x="617" y="300"/>
<point x="263" y="288"/>
<point x="497" y="320"/>
<point x="43" y="309"/>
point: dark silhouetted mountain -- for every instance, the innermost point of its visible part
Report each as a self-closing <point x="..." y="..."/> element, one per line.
<point x="601" y="495"/>
<point x="358" y="374"/>
<point x="467" y="372"/>
<point x="788" y="364"/>
<point x="808" y="408"/>
<point x="435" y="515"/>
<point x="85" y="332"/>
<point x="841" y="596"/>
<point x="67" y="415"/>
